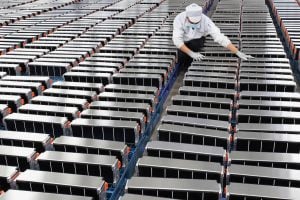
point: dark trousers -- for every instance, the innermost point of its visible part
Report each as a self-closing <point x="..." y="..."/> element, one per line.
<point x="185" y="60"/>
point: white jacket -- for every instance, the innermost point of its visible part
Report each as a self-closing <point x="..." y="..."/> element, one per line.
<point x="183" y="31"/>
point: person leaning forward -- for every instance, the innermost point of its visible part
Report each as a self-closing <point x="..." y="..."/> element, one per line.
<point x="189" y="31"/>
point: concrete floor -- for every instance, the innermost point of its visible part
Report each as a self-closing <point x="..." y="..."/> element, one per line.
<point x="174" y="91"/>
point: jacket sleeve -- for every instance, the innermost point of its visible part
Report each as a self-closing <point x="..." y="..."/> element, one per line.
<point x="216" y="34"/>
<point x="178" y="32"/>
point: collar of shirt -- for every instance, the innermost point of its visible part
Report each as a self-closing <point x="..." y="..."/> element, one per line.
<point x="191" y="25"/>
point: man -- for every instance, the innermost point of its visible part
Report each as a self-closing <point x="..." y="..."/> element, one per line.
<point x="189" y="30"/>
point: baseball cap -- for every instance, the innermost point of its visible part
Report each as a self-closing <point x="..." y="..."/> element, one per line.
<point x="194" y="12"/>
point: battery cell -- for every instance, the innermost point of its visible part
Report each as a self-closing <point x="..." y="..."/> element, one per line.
<point x="22" y="157"/>
<point x="263" y="176"/>
<point x="174" y="188"/>
<point x="7" y="174"/>
<point x="79" y="163"/>
<point x="178" y="168"/>
<point x="186" y="151"/>
<point x="266" y="159"/>
<point x="266" y="116"/>
<point x="55" y="126"/>
<point x="238" y="191"/>
<point x="26" y="195"/>
<point x="191" y="135"/>
<point x="39" y="141"/>
<point x="81" y="104"/>
<point x="92" y="146"/>
<point x="195" y="122"/>
<point x="207" y="92"/>
<point x="62" y="183"/>
<point x="116" y="130"/>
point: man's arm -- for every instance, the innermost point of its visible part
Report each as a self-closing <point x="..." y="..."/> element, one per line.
<point x="185" y="49"/>
<point x="232" y="48"/>
<point x="240" y="54"/>
<point x="223" y="40"/>
<point x="178" y="33"/>
<point x="195" y="55"/>
<point x="178" y="37"/>
<point x="178" y="40"/>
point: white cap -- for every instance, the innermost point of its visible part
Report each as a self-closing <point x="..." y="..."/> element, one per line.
<point x="194" y="12"/>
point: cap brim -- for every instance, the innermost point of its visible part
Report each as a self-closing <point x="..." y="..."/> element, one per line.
<point x="195" y="19"/>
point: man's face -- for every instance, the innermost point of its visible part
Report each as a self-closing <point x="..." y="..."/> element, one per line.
<point x="194" y="21"/>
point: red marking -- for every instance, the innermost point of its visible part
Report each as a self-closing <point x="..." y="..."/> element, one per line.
<point x="36" y="156"/>
<point x="128" y="149"/>
<point x="68" y="124"/>
<point x="151" y="109"/>
<point x="138" y="128"/>
<point x="19" y="69"/>
<point x="119" y="164"/>
<point x="225" y="190"/>
<point x="106" y="186"/>
<point x="15" y="176"/>
<point x="226" y="156"/>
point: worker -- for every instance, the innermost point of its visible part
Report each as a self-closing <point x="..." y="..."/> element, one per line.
<point x="189" y="31"/>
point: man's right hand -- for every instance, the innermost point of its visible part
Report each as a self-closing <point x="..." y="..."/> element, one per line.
<point x="243" y="56"/>
<point x="196" y="56"/>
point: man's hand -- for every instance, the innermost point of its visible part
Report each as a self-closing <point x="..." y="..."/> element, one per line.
<point x="243" y="56"/>
<point x="196" y="56"/>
